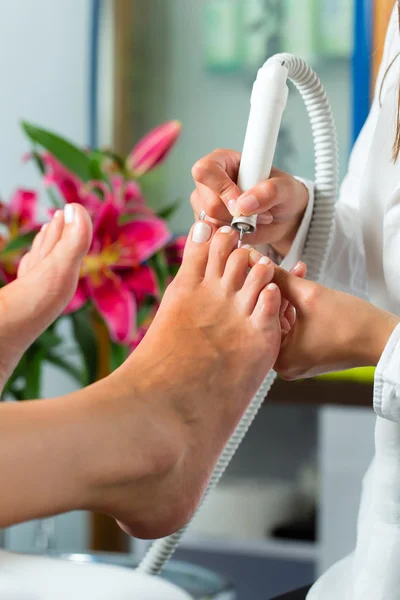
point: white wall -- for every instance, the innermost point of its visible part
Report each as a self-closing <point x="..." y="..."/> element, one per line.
<point x="43" y="71"/>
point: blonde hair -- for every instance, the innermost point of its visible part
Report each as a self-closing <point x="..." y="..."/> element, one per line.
<point x="396" y="143"/>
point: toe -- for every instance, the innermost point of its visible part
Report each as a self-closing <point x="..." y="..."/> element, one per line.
<point x="195" y="256"/>
<point x="266" y="312"/>
<point x="259" y="276"/>
<point x="237" y="267"/>
<point x="51" y="234"/>
<point x="76" y="234"/>
<point x="36" y="245"/>
<point x="224" y="242"/>
<point x="23" y="266"/>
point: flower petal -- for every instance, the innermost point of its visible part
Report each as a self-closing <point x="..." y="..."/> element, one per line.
<point x="117" y="305"/>
<point x="142" y="238"/>
<point x="80" y="297"/>
<point x="141" y="281"/>
<point x="23" y="206"/>
<point x="153" y="148"/>
<point x="105" y="227"/>
<point x="174" y="250"/>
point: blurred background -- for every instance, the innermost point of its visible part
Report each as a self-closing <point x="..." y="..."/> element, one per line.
<point x="103" y="73"/>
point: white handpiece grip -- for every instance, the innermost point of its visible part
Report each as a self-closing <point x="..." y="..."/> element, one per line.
<point x="268" y="101"/>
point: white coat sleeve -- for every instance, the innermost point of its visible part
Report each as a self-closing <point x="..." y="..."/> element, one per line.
<point x="346" y="267"/>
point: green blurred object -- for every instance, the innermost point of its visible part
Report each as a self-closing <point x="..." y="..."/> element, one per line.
<point x="361" y="375"/>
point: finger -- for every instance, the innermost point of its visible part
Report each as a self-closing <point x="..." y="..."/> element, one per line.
<point x="218" y="171"/>
<point x="299" y="269"/>
<point x="205" y="199"/>
<point x="290" y="315"/>
<point x="267" y="194"/>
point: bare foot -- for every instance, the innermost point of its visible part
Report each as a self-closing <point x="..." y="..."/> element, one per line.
<point x="47" y="279"/>
<point x="214" y="339"/>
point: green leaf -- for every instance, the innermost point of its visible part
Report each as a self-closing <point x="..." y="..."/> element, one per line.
<point x="144" y="310"/>
<point x="72" y="157"/>
<point x="160" y="266"/>
<point x="87" y="342"/>
<point x="11" y="390"/>
<point x="167" y="212"/>
<point x="101" y="155"/>
<point x="49" y="339"/>
<point x="37" y="159"/>
<point x="66" y="366"/>
<point x="33" y="375"/>
<point x="23" y="241"/>
<point x="118" y="355"/>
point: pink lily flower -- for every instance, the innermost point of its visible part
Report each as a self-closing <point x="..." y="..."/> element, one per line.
<point x="124" y="194"/>
<point x="70" y="187"/>
<point x="153" y="149"/>
<point x="113" y="275"/>
<point x="19" y="218"/>
<point x="175" y="249"/>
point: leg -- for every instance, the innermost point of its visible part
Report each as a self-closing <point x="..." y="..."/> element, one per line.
<point x="141" y="444"/>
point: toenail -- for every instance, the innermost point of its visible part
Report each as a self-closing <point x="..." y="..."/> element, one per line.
<point x="201" y="232"/>
<point x="226" y="229"/>
<point x="264" y="260"/>
<point x="69" y="214"/>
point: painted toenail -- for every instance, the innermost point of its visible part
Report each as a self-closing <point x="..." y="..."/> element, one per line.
<point x="226" y="229"/>
<point x="201" y="232"/>
<point x="264" y="260"/>
<point x="69" y="214"/>
<point x="272" y="287"/>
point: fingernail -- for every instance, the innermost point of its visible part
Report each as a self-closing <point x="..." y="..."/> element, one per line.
<point x="201" y="232"/>
<point x="264" y="260"/>
<point x="69" y="214"/>
<point x="232" y="207"/>
<point x="44" y="227"/>
<point x="249" y="202"/>
<point x="57" y="214"/>
<point x="265" y="219"/>
<point x="247" y="246"/>
<point x="272" y="287"/>
<point x="225" y="229"/>
<point x="295" y="268"/>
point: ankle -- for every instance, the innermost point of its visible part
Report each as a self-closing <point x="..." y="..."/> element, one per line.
<point x="127" y="418"/>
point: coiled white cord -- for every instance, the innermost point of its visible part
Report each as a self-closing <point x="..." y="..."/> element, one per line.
<point x="315" y="252"/>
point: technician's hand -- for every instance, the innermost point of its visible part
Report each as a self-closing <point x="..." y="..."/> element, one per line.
<point x="280" y="201"/>
<point x="332" y="330"/>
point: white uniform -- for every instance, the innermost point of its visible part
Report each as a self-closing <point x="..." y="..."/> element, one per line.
<point x="364" y="260"/>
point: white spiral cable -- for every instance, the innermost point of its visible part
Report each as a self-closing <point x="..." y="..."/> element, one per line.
<point x="316" y="248"/>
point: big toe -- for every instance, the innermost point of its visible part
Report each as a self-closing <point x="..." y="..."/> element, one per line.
<point x="195" y="257"/>
<point x="45" y="287"/>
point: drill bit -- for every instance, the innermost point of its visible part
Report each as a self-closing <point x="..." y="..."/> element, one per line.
<point x="241" y="234"/>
